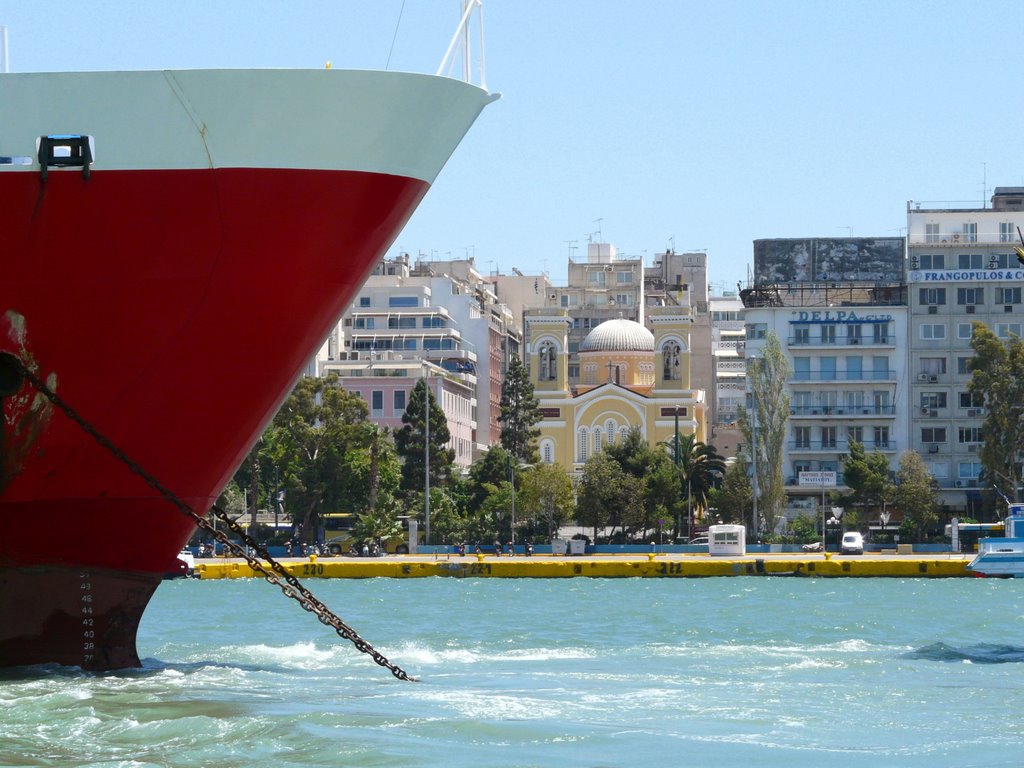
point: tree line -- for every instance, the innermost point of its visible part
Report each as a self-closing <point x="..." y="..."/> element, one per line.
<point x="322" y="454"/>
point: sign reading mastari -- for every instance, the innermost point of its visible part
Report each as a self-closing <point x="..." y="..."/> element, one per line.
<point x="819" y="479"/>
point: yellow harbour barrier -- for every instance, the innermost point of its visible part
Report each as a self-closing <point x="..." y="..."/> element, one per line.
<point x="620" y="566"/>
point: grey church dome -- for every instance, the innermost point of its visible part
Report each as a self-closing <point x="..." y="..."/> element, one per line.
<point x="618" y="335"/>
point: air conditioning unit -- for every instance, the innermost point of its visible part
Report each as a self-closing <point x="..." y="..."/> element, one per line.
<point x="956" y="237"/>
<point x="924" y="411"/>
<point x="972" y="448"/>
<point x="933" y="309"/>
<point x="932" y="378"/>
<point x="959" y="483"/>
<point x="973" y="413"/>
<point x="792" y="411"/>
<point x="970" y="309"/>
<point x="855" y="341"/>
<point x="933" y="448"/>
<point x="883" y="340"/>
<point x="922" y="377"/>
<point x="867" y="411"/>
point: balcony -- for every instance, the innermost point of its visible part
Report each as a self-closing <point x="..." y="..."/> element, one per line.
<point x="810" y="342"/>
<point x="837" y="446"/>
<point x="831" y="376"/>
<point x="818" y="411"/>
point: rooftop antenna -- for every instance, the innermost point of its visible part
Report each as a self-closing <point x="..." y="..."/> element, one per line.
<point x="600" y="236"/>
<point x="984" y="185"/>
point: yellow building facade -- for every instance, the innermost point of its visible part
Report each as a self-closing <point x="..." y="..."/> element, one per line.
<point x="630" y="376"/>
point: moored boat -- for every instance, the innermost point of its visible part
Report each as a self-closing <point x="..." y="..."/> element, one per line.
<point x="1003" y="555"/>
<point x="176" y="245"/>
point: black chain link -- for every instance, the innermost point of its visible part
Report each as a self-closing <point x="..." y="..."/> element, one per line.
<point x="272" y="570"/>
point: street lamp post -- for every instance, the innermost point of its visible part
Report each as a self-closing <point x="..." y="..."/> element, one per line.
<point x="426" y="457"/>
<point x="677" y="459"/>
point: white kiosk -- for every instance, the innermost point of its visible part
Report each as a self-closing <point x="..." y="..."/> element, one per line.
<point x="727" y="540"/>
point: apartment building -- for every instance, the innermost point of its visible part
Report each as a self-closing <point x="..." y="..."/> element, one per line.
<point x="961" y="269"/>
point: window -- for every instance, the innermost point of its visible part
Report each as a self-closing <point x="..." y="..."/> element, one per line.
<point x="598" y="445"/>
<point x="609" y="429"/>
<point x="969" y="261"/>
<point x="881" y="437"/>
<point x="933" y="366"/>
<point x="399" y="401"/>
<point x="624" y="300"/>
<point x="1006" y="330"/>
<point x="880" y="333"/>
<point x="828" y="437"/>
<point x="802" y="437"/>
<point x="828" y="334"/>
<point x="547" y="452"/>
<point x="929" y="261"/>
<point x="596" y="277"/>
<point x="403" y="301"/>
<point x="971" y="399"/>
<point x="853" y="334"/>
<point x="435" y="321"/>
<point x="932" y="400"/>
<point x="757" y="330"/>
<point x="963" y="365"/>
<point x="801" y="335"/>
<point x="1008" y="295"/>
<point x="933" y="434"/>
<point x="969" y="469"/>
<point x="880" y="368"/>
<point x="963" y="330"/>
<point x="802" y="368"/>
<point x="970" y="435"/>
<point x="931" y="235"/>
<point x="855" y="434"/>
<point x="401" y="322"/>
<point x="931" y="296"/>
<point x="968" y="296"/>
<point x="1007" y="232"/>
<point x="854" y="368"/>
<point x="623" y="278"/>
<point x="364" y="301"/>
<point x="970" y="232"/>
<point x="365" y="323"/>
<point x="828" y="368"/>
<point x="584" y="444"/>
<point x="377" y="403"/>
<point x="933" y="332"/>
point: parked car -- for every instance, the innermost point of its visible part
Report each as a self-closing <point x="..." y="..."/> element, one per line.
<point x="699" y="540"/>
<point x="853" y="543"/>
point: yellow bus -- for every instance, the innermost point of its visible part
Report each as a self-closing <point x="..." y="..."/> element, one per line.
<point x="339" y="538"/>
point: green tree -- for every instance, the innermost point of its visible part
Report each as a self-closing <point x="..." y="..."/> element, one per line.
<point x="308" y="441"/>
<point x="411" y="439"/>
<point x="520" y="413"/>
<point x="997" y="377"/>
<point x="916" y="493"/>
<point x="607" y="495"/>
<point x="735" y="499"/>
<point x="702" y="468"/>
<point x="764" y="429"/>
<point x="490" y="470"/>
<point x="867" y="476"/>
<point x="546" y="498"/>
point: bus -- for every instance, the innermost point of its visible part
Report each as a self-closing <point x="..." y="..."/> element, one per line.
<point x="339" y="535"/>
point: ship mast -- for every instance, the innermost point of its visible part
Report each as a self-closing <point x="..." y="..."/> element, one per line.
<point x="462" y="42"/>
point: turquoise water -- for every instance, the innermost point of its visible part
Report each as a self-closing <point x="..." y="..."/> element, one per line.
<point x="732" y="671"/>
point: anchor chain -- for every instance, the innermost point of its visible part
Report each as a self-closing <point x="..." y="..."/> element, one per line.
<point x="272" y="570"/>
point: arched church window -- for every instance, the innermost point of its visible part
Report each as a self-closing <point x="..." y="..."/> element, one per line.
<point x="547" y="451"/>
<point x="609" y="428"/>
<point x="598" y="447"/>
<point x="584" y="444"/>
<point x="670" y="359"/>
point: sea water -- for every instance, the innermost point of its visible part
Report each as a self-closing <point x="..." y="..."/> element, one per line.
<point x="582" y="672"/>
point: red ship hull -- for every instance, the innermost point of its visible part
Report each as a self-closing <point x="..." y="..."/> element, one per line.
<point x="173" y="309"/>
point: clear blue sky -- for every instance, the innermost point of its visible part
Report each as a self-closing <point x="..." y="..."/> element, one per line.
<point x="703" y="125"/>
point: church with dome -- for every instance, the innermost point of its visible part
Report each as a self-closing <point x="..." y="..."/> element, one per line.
<point x="630" y="375"/>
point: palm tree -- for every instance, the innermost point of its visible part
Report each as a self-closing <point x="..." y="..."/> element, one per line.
<point x="701" y="468"/>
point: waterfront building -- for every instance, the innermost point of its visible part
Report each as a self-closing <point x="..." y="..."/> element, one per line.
<point x="630" y="376"/>
<point x="729" y="370"/>
<point x="961" y="269"/>
<point x="839" y="309"/>
<point x="439" y="321"/>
